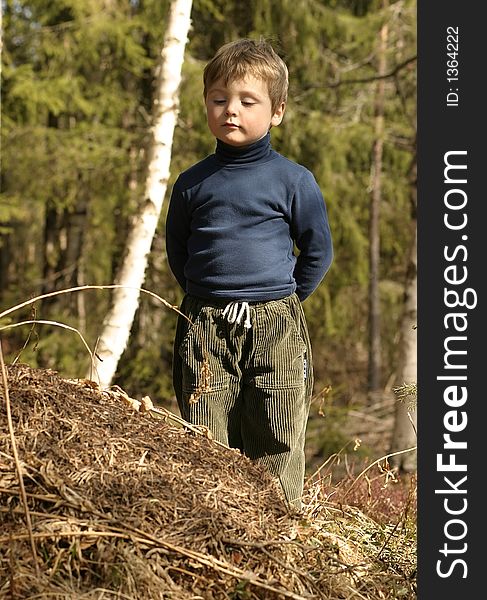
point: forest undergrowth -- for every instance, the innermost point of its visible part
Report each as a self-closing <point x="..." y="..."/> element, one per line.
<point x="141" y="505"/>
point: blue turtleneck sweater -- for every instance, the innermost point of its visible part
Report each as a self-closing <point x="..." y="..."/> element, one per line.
<point x="233" y="221"/>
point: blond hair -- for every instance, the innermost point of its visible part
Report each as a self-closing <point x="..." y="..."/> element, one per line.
<point x="236" y="60"/>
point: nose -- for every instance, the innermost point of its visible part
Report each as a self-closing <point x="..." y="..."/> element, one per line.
<point x="231" y="109"/>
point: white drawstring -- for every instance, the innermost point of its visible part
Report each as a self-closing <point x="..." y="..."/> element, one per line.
<point x="233" y="315"/>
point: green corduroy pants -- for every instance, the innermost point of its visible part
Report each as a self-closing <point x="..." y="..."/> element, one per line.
<point x="260" y="381"/>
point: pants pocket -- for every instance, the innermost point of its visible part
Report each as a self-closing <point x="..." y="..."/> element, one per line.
<point x="201" y="352"/>
<point x="282" y="364"/>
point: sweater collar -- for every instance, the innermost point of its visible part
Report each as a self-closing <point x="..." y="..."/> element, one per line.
<point x="241" y="155"/>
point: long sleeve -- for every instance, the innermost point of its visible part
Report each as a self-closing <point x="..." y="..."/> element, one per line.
<point x="177" y="234"/>
<point x="311" y="234"/>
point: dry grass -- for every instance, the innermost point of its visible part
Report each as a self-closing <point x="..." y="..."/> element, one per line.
<point x="125" y="504"/>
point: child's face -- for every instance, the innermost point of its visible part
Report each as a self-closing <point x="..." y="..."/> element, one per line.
<point x="240" y="112"/>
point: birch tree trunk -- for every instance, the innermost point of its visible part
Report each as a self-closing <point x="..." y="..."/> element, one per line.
<point x="118" y="322"/>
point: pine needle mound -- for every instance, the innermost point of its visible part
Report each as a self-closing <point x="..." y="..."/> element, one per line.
<point x="123" y="504"/>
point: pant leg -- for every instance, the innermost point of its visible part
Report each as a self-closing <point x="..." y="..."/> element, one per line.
<point x="206" y="338"/>
<point x="261" y="383"/>
<point x="277" y="392"/>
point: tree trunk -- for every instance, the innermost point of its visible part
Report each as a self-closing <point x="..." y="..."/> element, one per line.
<point x="52" y="250"/>
<point x="404" y="432"/>
<point x="405" y="420"/>
<point x="375" y="349"/>
<point x="117" y="324"/>
<point x="75" y="223"/>
<point x="5" y="261"/>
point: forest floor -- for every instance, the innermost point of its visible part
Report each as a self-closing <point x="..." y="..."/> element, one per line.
<point x="119" y="499"/>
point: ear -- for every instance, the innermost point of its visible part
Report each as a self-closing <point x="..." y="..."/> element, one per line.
<point x="278" y="114"/>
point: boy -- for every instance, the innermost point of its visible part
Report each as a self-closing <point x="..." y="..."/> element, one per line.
<point x="232" y="223"/>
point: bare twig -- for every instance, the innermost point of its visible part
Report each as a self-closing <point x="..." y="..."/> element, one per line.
<point x="26" y="342"/>
<point x="391" y="73"/>
<point x="329" y="460"/>
<point x="402" y="518"/>
<point x="80" y="289"/>
<point x="17" y="462"/>
<point x="412" y="423"/>
<point x="57" y="324"/>
<point x="90" y="287"/>
<point x="412" y="449"/>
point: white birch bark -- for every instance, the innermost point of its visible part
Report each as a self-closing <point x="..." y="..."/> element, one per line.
<point x="118" y="322"/>
<point x="405" y="422"/>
